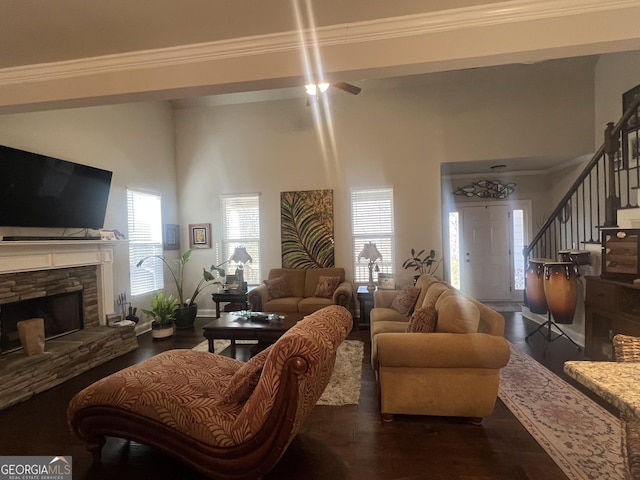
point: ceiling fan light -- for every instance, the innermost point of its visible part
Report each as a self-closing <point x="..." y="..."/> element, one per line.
<point x="323" y="87"/>
<point x="311" y="89"/>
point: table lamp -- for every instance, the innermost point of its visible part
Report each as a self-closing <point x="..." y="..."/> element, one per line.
<point x="240" y="256"/>
<point x="371" y="253"/>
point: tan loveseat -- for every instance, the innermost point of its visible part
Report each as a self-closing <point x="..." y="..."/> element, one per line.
<point x="440" y="373"/>
<point x="300" y="288"/>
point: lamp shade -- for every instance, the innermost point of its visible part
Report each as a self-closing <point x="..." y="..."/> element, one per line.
<point x="370" y="252"/>
<point x="240" y="255"/>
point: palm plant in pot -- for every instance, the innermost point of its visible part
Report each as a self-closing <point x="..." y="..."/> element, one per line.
<point x="422" y="263"/>
<point x="162" y="314"/>
<point x="187" y="310"/>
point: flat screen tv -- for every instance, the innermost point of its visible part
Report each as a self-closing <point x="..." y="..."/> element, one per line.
<point x="41" y="191"/>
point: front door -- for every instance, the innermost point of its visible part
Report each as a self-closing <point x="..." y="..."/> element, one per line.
<point x="485" y="251"/>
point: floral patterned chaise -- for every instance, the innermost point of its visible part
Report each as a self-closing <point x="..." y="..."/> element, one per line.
<point x="223" y="417"/>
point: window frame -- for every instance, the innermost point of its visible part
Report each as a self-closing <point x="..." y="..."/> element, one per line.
<point x="143" y="244"/>
<point x="228" y="243"/>
<point x="362" y="233"/>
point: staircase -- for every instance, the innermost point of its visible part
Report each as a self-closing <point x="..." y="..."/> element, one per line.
<point x="607" y="184"/>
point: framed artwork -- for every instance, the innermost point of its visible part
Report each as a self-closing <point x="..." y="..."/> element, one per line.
<point x="171" y="237"/>
<point x="631" y="130"/>
<point x="200" y="235"/>
<point x="306" y="229"/>
<point x="386" y="281"/>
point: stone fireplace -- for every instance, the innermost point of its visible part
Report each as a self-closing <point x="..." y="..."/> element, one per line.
<point x="44" y="279"/>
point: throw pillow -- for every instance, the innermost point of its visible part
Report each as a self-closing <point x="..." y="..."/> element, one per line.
<point x="423" y="320"/>
<point x="456" y="314"/>
<point x="245" y="379"/>
<point x="278" y="287"/>
<point x="405" y="300"/>
<point x="326" y="286"/>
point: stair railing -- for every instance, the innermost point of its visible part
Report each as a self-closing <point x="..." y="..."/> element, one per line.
<point x="607" y="183"/>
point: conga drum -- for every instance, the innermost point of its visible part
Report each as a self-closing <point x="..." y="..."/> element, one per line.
<point x="580" y="257"/>
<point x="561" y="290"/>
<point x="534" y="285"/>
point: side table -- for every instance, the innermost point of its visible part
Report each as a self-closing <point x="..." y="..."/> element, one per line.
<point x="366" y="304"/>
<point x="237" y="300"/>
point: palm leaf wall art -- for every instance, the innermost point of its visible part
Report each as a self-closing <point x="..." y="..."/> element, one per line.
<point x="307" y="229"/>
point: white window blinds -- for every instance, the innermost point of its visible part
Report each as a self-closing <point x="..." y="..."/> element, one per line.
<point x="145" y="238"/>
<point x="372" y="221"/>
<point x="241" y="227"/>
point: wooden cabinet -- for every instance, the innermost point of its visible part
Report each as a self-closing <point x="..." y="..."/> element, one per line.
<point x="620" y="254"/>
<point x="610" y="307"/>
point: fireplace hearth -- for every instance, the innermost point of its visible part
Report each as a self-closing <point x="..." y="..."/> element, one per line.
<point x="74" y="272"/>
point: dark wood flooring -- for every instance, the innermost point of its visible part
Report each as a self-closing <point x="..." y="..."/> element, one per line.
<point x="335" y="443"/>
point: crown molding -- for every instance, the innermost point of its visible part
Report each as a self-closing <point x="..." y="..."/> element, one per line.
<point x="344" y="34"/>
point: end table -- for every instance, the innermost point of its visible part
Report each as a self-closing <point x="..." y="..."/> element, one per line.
<point x="237" y="300"/>
<point x="366" y="304"/>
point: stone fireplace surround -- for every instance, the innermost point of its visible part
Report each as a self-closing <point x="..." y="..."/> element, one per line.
<point x="38" y="268"/>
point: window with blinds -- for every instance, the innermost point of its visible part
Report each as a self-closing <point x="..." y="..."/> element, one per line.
<point x="145" y="238"/>
<point x="241" y="227"/>
<point x="372" y="221"/>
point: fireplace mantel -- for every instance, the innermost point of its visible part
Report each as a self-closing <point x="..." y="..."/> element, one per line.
<point x="25" y="256"/>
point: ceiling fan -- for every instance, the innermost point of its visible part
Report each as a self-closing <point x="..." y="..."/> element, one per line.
<point x="314" y="90"/>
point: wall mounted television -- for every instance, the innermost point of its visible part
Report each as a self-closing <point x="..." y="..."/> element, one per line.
<point x="41" y="191"/>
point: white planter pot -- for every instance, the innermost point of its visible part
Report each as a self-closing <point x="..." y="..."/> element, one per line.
<point x="161" y="332"/>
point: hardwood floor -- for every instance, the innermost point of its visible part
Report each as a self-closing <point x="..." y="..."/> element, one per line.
<point x="335" y="443"/>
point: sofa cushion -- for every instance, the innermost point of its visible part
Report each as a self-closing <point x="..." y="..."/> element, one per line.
<point x="244" y="381"/>
<point x="326" y="286"/>
<point x="295" y="278"/>
<point x="278" y="287"/>
<point x="423" y="320"/>
<point x="282" y="305"/>
<point x="313" y="275"/>
<point x="456" y="314"/>
<point x="311" y="304"/>
<point x="433" y="293"/>
<point x="405" y="300"/>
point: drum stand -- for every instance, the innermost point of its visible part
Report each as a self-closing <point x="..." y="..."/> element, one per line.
<point x="547" y="335"/>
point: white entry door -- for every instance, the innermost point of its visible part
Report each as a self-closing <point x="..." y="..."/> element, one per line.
<point x="485" y="252"/>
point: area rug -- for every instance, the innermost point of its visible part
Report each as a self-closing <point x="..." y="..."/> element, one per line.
<point x="344" y="385"/>
<point x="581" y="437"/>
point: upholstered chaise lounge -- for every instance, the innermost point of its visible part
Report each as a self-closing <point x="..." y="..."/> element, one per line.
<point x="223" y="417"/>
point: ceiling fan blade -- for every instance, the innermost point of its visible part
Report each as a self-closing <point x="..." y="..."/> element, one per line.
<point x="347" y="87"/>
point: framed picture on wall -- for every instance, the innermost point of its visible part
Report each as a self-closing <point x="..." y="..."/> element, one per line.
<point x="171" y="237"/>
<point x="631" y="129"/>
<point x="386" y="281"/>
<point x="200" y="235"/>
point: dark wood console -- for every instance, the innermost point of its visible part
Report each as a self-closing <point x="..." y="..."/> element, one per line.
<point x="610" y="307"/>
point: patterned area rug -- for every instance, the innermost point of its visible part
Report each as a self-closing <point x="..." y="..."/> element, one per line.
<point x="344" y="385"/>
<point x="582" y="438"/>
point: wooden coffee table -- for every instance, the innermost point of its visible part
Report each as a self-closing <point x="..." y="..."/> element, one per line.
<point x="234" y="327"/>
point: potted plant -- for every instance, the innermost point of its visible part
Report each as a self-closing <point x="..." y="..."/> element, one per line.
<point x="187" y="310"/>
<point x="162" y="314"/>
<point x="426" y="264"/>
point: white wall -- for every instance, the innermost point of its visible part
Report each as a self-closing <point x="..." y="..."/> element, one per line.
<point x="135" y="141"/>
<point x="381" y="137"/>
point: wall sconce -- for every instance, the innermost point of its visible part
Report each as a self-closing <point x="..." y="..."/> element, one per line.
<point x="371" y="253"/>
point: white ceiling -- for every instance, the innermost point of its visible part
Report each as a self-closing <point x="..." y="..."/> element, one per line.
<point x="49" y="32"/>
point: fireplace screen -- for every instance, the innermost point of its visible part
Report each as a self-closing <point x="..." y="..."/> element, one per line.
<point x="62" y="314"/>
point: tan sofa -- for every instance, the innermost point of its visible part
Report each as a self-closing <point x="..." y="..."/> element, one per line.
<point x="302" y="284"/>
<point x="440" y="373"/>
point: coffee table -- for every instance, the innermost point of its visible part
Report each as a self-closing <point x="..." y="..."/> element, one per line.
<point x="234" y="327"/>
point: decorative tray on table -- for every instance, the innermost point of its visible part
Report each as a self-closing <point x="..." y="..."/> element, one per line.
<point x="261" y="316"/>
